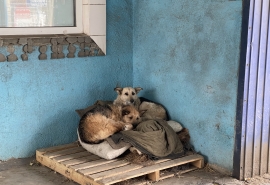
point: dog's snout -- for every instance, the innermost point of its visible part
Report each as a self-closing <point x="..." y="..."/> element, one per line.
<point x="132" y="101"/>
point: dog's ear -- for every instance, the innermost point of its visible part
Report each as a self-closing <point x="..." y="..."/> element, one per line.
<point x="138" y="89"/>
<point x="142" y="112"/>
<point x="118" y="90"/>
<point x="125" y="112"/>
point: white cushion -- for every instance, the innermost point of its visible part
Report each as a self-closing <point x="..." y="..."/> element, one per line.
<point x="104" y="149"/>
<point x="177" y="127"/>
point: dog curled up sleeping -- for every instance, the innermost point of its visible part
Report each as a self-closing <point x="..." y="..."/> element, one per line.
<point x="104" y="120"/>
<point x="152" y="110"/>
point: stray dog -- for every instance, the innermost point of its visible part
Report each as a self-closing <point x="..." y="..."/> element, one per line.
<point x="104" y="120"/>
<point x="150" y="109"/>
<point x="127" y="95"/>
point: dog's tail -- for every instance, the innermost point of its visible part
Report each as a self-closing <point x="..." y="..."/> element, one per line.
<point x="184" y="136"/>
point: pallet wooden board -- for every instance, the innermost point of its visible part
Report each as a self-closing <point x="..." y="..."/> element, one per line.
<point x="85" y="168"/>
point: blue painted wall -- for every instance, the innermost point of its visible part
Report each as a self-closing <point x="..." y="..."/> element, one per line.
<point x="186" y="56"/>
<point x="184" y="53"/>
<point x="39" y="98"/>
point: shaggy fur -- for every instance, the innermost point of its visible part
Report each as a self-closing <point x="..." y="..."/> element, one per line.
<point x="104" y="120"/>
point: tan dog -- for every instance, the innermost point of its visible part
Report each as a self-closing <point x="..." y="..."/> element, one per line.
<point x="150" y="109"/>
<point x="104" y="120"/>
<point x="127" y="95"/>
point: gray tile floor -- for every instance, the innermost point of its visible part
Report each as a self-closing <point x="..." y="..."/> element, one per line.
<point x="28" y="172"/>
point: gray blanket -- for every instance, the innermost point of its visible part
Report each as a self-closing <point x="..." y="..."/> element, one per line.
<point x="154" y="138"/>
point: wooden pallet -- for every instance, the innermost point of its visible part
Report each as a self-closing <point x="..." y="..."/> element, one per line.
<point x="85" y="168"/>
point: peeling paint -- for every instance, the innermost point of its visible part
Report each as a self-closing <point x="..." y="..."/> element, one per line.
<point x="55" y="42"/>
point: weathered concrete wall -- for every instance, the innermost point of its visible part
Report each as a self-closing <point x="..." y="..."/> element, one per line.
<point x="39" y="97"/>
<point x="186" y="56"/>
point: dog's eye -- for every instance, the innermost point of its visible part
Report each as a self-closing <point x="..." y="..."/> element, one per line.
<point x="137" y="118"/>
<point x="125" y="112"/>
<point x="131" y="117"/>
<point x="133" y="93"/>
<point x="126" y="94"/>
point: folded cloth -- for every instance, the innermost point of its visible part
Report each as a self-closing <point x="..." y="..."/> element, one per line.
<point x="152" y="137"/>
<point x="117" y="145"/>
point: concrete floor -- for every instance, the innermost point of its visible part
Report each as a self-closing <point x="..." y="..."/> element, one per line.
<point x="29" y="172"/>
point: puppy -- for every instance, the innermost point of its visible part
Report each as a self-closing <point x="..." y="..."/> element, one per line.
<point x="127" y="95"/>
<point x="104" y="120"/>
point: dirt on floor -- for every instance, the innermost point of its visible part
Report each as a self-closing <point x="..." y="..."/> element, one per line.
<point x="29" y="172"/>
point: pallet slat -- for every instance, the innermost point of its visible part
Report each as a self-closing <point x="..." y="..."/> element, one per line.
<point x="151" y="169"/>
<point x="72" y="156"/>
<point x="80" y="160"/>
<point x="85" y="168"/>
<point x="65" y="152"/>
<point x="58" y="148"/>
<point x="115" y="171"/>
<point x="104" y="167"/>
<point x="91" y="164"/>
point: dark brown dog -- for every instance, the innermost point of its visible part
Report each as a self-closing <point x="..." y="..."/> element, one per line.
<point x="104" y="120"/>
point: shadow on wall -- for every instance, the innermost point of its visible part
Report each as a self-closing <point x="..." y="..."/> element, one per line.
<point x="151" y="94"/>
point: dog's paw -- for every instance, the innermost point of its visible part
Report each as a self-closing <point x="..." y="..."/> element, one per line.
<point x="128" y="127"/>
